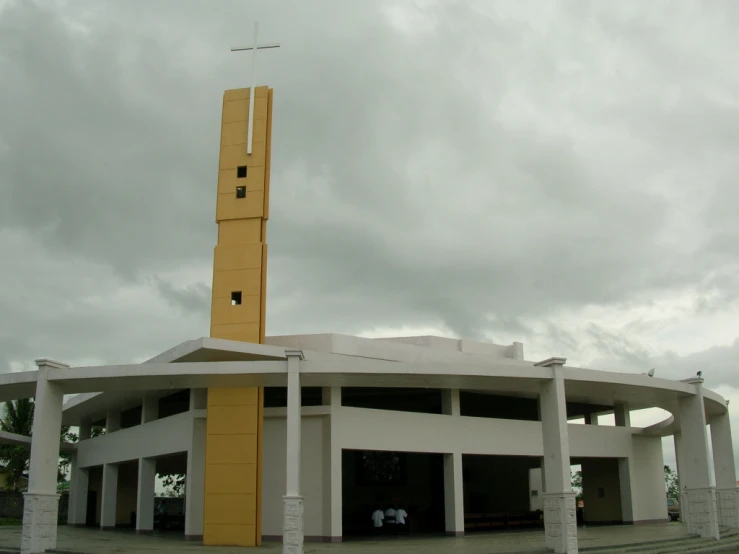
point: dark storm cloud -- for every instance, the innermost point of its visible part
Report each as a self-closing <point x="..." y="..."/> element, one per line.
<point x="480" y="168"/>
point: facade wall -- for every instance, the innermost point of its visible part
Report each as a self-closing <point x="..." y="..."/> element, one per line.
<point x="311" y="474"/>
<point x="160" y="437"/>
<point x="648" y="483"/>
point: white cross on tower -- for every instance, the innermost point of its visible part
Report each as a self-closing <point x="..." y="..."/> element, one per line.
<point x="252" y="94"/>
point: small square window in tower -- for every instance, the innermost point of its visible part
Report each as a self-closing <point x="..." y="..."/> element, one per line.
<point x="236" y="298"/>
<point x="241" y="172"/>
<point x="240" y="192"/>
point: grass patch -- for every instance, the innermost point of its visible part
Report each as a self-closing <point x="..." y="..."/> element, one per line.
<point x="10" y="521"/>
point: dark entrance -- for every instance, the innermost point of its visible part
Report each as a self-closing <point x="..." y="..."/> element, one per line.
<point x="378" y="480"/>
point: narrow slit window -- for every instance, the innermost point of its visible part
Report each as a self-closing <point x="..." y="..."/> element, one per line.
<point x="241" y="172"/>
<point x="240" y="192"/>
<point x="236" y="298"/>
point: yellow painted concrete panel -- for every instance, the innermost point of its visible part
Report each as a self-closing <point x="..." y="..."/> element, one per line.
<point x="263" y="297"/>
<point x="254" y="180"/>
<point x="248" y="281"/>
<point x="235" y="110"/>
<point x="232" y="478"/>
<point x="238" y="110"/>
<point x="268" y="156"/>
<point x="236" y="132"/>
<point x="244" y="332"/>
<point x="220" y="508"/>
<point x="243" y="93"/>
<point x="231" y="449"/>
<point x="229" y="206"/>
<point x="235" y="155"/>
<point x="215" y="534"/>
<point x="242" y="256"/>
<point x="247" y="312"/>
<point x="232" y="420"/>
<point x="233" y="397"/>
<point x="234" y="232"/>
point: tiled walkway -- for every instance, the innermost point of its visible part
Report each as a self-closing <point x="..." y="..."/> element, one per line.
<point x="91" y="541"/>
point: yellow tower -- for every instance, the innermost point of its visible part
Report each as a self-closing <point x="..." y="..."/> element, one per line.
<point x="233" y="452"/>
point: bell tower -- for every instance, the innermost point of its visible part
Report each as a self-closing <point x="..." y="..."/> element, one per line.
<point x="233" y="451"/>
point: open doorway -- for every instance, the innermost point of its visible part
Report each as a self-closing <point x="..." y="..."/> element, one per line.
<point x="499" y="493"/>
<point x="392" y="493"/>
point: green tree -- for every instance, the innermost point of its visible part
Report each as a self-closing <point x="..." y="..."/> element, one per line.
<point x="576" y="483"/>
<point x="18" y="419"/>
<point x="671" y="483"/>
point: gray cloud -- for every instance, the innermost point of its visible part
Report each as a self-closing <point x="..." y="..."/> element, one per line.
<point x="484" y="170"/>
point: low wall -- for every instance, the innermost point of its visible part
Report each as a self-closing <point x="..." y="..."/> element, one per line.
<point x="11" y="506"/>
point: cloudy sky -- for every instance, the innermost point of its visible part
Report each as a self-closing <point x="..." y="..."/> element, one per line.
<point x="560" y="174"/>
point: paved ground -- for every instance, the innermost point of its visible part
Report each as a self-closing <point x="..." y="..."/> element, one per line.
<point x="92" y="541"/>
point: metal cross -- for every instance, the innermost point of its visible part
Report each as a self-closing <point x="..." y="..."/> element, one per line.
<point x="252" y="94"/>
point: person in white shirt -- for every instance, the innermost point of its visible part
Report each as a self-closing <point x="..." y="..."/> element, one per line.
<point x="390" y="516"/>
<point x="400" y="515"/>
<point x="377" y="517"/>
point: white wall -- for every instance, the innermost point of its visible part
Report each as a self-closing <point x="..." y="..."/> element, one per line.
<point x="163" y="436"/>
<point x="360" y="428"/>
<point x="274" y="447"/>
<point x="648" y="479"/>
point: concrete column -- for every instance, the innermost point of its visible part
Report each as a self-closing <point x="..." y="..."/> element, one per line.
<point x="591" y="419"/>
<point x="145" y="495"/>
<point x="112" y="421"/>
<point x="622" y="415"/>
<point x="332" y="469"/>
<point x="727" y="497"/>
<point x="149" y="409"/>
<point x="109" y="498"/>
<point x="560" y="521"/>
<point x="625" y="470"/>
<point x="78" y="487"/>
<point x="198" y="399"/>
<point x="683" y="495"/>
<point x="41" y="502"/>
<point x="195" y="482"/>
<point x="453" y="494"/>
<point x="450" y="402"/>
<point x="292" y="529"/>
<point x="695" y="477"/>
<point x="85" y="429"/>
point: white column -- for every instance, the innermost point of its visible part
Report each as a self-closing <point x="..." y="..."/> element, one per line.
<point x="450" y="402"/>
<point x="112" y="421"/>
<point x="198" y="399"/>
<point x="292" y="528"/>
<point x="695" y="477"/>
<point x="109" y="499"/>
<point x="332" y="470"/>
<point x="78" y="487"/>
<point x="625" y="470"/>
<point x="591" y="419"/>
<point x="682" y="493"/>
<point x="622" y="415"/>
<point x="145" y="495"/>
<point x="727" y="497"/>
<point x="41" y="502"/>
<point x="195" y="482"/>
<point x="560" y="522"/>
<point x="149" y="409"/>
<point x="453" y="494"/>
<point x="85" y="429"/>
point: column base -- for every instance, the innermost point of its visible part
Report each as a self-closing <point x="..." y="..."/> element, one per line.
<point x="40" y="512"/>
<point x="701" y="511"/>
<point x="727" y="502"/>
<point x="560" y="521"/>
<point x="292" y="526"/>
